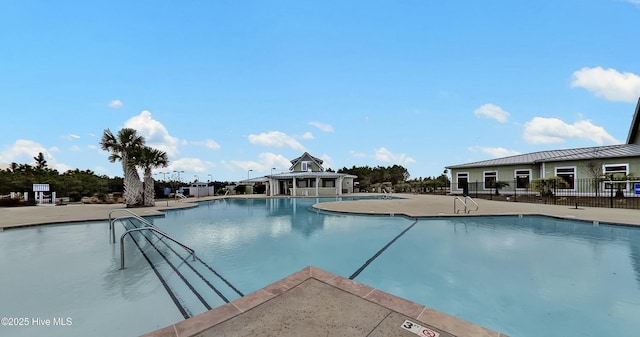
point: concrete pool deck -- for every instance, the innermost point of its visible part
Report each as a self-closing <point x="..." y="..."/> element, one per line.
<point x="313" y="302"/>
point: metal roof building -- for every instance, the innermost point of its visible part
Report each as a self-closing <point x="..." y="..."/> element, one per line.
<point x="585" y="153"/>
<point x="571" y="165"/>
<point x="630" y="149"/>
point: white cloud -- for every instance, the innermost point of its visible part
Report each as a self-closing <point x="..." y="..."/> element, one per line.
<point x="496" y="152"/>
<point x="327" y="162"/>
<point x="271" y="160"/>
<point x="23" y="151"/>
<point x="322" y="126"/>
<point x="357" y="154"/>
<point x="70" y="137"/>
<point x="188" y="165"/>
<point x="307" y="135"/>
<point x="101" y="170"/>
<point x="210" y="143"/>
<point x="154" y="132"/>
<point x="608" y="83"/>
<point x="384" y="155"/>
<point x="276" y="139"/>
<point x="542" y="130"/>
<point x="492" y="111"/>
<point x="116" y="103"/>
<point x="266" y="161"/>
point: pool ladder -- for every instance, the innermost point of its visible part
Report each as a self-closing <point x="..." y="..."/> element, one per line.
<point x="465" y="203"/>
<point x="147" y="226"/>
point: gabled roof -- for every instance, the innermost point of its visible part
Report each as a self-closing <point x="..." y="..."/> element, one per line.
<point x="290" y="175"/>
<point x="632" y="138"/>
<point x="322" y="174"/>
<point x="584" y="153"/>
<point x="306" y="157"/>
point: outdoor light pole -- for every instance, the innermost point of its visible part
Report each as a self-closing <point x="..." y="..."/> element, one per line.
<point x="248" y="174"/>
<point x="271" y="188"/>
<point x="197" y="185"/>
<point x="214" y="186"/>
<point x="178" y="172"/>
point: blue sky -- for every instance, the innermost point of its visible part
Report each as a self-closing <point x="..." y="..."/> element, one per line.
<point x="225" y="87"/>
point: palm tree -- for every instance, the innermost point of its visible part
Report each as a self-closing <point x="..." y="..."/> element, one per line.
<point x="148" y="159"/>
<point x="124" y="147"/>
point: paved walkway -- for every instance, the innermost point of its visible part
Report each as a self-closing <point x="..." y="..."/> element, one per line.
<point x="314" y="302"/>
<point x="405" y="204"/>
<point x="434" y="205"/>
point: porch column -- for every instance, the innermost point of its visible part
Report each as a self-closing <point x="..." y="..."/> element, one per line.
<point x="339" y="186"/>
<point x="270" y="186"/>
<point x="294" y="187"/>
<point x="317" y="181"/>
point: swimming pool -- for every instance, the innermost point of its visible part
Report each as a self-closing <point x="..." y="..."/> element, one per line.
<point x="522" y="276"/>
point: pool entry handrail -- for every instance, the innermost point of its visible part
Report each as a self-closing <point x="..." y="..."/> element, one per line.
<point x="156" y="230"/>
<point x="465" y="202"/>
<point x="132" y="214"/>
<point x="147" y="225"/>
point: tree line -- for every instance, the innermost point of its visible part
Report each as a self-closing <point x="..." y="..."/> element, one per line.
<point x="395" y="177"/>
<point x="126" y="146"/>
<point x="73" y="184"/>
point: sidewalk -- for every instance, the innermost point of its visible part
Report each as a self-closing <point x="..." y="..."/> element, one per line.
<point x="405" y="204"/>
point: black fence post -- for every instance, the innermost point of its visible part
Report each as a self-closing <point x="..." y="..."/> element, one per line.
<point x="611" y="195"/>
<point x="476" y="189"/>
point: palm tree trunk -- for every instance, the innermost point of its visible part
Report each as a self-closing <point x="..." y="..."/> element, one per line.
<point x="149" y="191"/>
<point x="132" y="186"/>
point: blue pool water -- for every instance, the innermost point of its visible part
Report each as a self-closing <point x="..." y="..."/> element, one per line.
<point x="523" y="276"/>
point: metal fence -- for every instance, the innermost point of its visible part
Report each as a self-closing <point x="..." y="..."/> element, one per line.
<point x="579" y="192"/>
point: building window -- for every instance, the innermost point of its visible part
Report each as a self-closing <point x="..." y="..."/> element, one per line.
<point x="463" y="180"/>
<point x="490" y="178"/>
<point x="616" y="172"/>
<point x="306" y="166"/>
<point x="568" y="174"/>
<point x="523" y="178"/>
<point x="328" y="183"/>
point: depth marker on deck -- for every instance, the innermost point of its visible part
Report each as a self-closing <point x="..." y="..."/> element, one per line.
<point x="419" y="329"/>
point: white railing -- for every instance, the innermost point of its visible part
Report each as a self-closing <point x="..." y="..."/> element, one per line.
<point x="465" y="203"/>
<point x="147" y="225"/>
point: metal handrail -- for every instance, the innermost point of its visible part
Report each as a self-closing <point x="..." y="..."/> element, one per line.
<point x="112" y="228"/>
<point x="152" y="228"/>
<point x="464" y="202"/>
<point x="473" y="201"/>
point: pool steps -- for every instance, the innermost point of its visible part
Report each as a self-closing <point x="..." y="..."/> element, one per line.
<point x="194" y="286"/>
